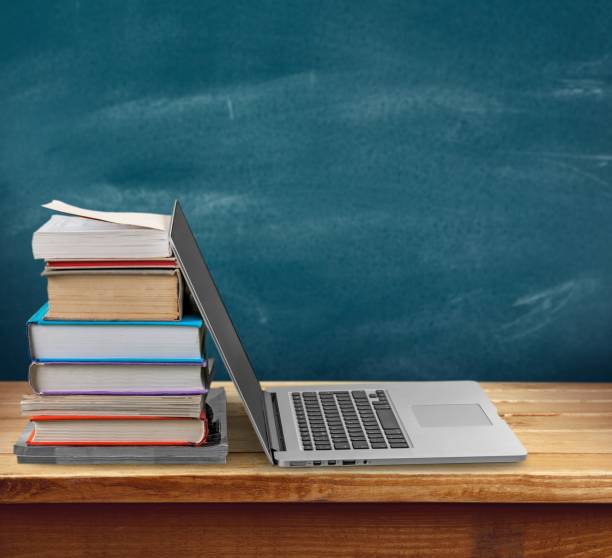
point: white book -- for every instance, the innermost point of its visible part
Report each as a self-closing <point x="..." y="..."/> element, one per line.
<point x="121" y="378"/>
<point x="115" y="431"/>
<point x="65" y="341"/>
<point x="186" y="406"/>
<point x="65" y="237"/>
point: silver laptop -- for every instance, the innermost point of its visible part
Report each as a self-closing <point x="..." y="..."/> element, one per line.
<point x="378" y="423"/>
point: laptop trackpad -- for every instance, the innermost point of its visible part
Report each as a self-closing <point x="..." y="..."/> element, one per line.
<point x="451" y="415"/>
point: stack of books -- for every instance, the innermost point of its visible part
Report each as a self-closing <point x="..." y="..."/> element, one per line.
<point x="118" y="358"/>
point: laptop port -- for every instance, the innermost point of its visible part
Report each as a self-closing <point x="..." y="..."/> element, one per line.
<point x="331" y="462"/>
<point x="316" y="463"/>
<point x="348" y="462"/>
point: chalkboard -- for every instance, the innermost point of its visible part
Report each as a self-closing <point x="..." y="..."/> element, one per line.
<point x="401" y="190"/>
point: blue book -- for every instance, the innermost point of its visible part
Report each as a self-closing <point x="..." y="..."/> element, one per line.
<point x="117" y="341"/>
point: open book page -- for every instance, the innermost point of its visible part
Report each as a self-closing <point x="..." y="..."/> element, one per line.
<point x="146" y="220"/>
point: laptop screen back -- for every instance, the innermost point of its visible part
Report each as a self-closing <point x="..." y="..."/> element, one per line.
<point x="218" y="322"/>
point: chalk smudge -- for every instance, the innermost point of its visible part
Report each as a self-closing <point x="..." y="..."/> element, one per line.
<point x="540" y="308"/>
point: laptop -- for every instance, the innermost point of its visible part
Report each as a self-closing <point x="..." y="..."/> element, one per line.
<point x="378" y="423"/>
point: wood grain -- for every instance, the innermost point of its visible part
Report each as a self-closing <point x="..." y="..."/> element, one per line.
<point x="314" y="530"/>
<point x="568" y="433"/>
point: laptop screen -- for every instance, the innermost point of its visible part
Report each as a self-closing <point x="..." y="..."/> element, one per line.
<point x="218" y="322"/>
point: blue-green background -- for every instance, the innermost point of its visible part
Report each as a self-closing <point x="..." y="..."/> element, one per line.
<point x="408" y="190"/>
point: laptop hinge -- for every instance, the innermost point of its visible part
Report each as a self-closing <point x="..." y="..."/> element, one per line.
<point x="273" y="422"/>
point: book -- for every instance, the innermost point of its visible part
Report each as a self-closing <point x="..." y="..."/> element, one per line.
<point x="115" y="264"/>
<point x="114" y="294"/>
<point x="99" y="341"/>
<point x="120" y="378"/>
<point x="214" y="450"/>
<point x="116" y="430"/>
<point x="147" y="220"/>
<point x="66" y="237"/>
<point x="185" y="406"/>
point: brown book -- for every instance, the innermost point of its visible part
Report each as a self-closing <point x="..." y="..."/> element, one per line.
<point x="114" y="294"/>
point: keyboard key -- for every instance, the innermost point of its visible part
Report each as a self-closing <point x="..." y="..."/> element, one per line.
<point x="379" y="445"/>
<point x="399" y="444"/>
<point x="360" y="445"/>
<point x="358" y="394"/>
<point x="342" y="446"/>
<point x="387" y="419"/>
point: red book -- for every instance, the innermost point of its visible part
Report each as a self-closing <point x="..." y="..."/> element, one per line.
<point x="119" y="430"/>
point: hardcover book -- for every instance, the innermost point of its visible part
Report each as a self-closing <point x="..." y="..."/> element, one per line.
<point x="114" y="294"/>
<point x="120" y="378"/>
<point x="104" y="341"/>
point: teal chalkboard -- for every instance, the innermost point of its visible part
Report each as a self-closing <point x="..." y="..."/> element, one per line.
<point x="408" y="190"/>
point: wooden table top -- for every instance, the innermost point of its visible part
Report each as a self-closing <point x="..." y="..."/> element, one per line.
<point x="566" y="428"/>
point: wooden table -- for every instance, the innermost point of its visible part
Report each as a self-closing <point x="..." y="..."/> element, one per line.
<point x="556" y="503"/>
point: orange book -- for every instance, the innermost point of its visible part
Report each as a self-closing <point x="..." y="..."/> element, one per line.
<point x="119" y="430"/>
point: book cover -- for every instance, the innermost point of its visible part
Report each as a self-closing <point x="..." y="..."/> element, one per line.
<point x="33" y="441"/>
<point x="206" y="368"/>
<point x="122" y="336"/>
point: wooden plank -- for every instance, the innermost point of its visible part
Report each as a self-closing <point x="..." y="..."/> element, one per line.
<point x="249" y="478"/>
<point x="568" y="421"/>
<point x="505" y="408"/>
<point x="314" y="530"/>
<point x="569" y="441"/>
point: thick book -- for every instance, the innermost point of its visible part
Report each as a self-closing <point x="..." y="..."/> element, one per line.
<point x="65" y="237"/>
<point x="104" y="341"/>
<point x="183" y="406"/>
<point x="114" y="294"/>
<point x="214" y="450"/>
<point x="120" y="378"/>
<point x="117" y="430"/>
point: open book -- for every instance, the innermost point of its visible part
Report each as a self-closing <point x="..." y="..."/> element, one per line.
<point x="98" y="235"/>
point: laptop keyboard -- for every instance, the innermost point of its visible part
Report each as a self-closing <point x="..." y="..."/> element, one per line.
<point x="344" y="420"/>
